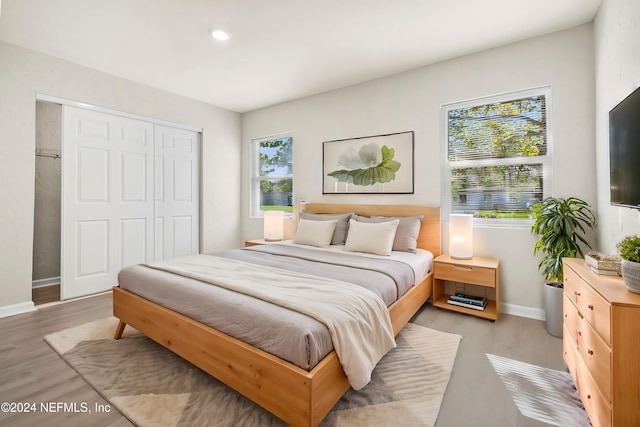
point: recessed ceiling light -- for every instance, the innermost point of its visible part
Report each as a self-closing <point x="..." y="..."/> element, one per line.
<point x="219" y="34"/>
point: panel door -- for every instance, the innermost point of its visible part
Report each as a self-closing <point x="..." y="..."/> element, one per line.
<point x="107" y="199"/>
<point x="177" y="192"/>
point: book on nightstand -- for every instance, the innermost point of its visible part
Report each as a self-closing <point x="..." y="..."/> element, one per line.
<point x="468" y="299"/>
<point x="467" y="305"/>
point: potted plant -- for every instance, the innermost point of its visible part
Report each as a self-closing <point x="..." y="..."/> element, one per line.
<point x="561" y="224"/>
<point x="629" y="251"/>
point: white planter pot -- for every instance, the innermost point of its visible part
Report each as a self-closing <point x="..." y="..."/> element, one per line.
<point x="553" y="309"/>
<point x="631" y="275"/>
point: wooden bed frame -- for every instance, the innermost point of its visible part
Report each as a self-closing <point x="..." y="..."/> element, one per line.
<point x="297" y="396"/>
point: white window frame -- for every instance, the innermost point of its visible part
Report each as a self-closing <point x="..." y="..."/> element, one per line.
<point x="254" y="191"/>
<point x="546" y="161"/>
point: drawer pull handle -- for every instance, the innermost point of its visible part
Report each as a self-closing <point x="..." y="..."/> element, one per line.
<point x="590" y="306"/>
<point x="590" y="352"/>
<point x="460" y="267"/>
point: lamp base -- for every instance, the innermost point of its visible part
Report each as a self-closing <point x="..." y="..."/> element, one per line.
<point x="461" y="257"/>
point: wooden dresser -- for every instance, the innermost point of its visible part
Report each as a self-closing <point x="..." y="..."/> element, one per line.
<point x="601" y="344"/>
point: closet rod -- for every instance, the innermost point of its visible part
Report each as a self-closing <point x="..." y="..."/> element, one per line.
<point x="42" y="152"/>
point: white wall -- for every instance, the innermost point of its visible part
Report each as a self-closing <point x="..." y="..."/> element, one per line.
<point x="23" y="73"/>
<point x="617" y="59"/>
<point x="412" y="101"/>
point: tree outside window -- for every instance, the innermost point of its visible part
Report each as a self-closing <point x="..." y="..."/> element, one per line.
<point x="497" y="155"/>
<point x="273" y="175"/>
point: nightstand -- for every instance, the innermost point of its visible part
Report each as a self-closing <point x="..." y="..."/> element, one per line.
<point x="256" y="242"/>
<point x="476" y="272"/>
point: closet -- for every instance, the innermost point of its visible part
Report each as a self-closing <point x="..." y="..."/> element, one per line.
<point x="129" y="194"/>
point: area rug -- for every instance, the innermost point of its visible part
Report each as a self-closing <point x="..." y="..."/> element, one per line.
<point x="541" y="394"/>
<point x="152" y="386"/>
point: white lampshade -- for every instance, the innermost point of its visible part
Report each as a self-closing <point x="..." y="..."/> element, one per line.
<point x="461" y="236"/>
<point x="273" y="225"/>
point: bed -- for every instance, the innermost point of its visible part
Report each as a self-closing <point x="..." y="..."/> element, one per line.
<point x="298" y="396"/>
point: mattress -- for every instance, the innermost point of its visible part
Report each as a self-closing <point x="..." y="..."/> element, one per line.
<point x="285" y="333"/>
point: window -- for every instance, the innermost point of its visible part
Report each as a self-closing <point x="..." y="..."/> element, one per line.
<point x="497" y="155"/>
<point x="272" y="177"/>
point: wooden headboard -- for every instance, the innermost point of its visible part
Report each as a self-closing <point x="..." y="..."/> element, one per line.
<point x="429" y="237"/>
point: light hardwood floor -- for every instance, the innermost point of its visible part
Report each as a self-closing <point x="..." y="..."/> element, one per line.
<point x="46" y="294"/>
<point x="476" y="396"/>
<point x="30" y="371"/>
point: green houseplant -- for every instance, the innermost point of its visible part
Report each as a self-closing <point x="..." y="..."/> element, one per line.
<point x="629" y="251"/>
<point x="561" y="224"/>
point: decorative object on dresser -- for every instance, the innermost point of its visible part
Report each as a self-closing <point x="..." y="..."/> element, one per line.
<point x="601" y="344"/>
<point x="629" y="249"/>
<point x="561" y="224"/>
<point x="480" y="275"/>
<point x="602" y="263"/>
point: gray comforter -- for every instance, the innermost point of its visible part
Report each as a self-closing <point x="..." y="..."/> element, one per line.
<point x="282" y="332"/>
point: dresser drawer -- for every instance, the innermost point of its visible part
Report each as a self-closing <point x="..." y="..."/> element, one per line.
<point x="595" y="309"/>
<point x="466" y="274"/>
<point x="596" y="356"/>
<point x="572" y="284"/>
<point x="605" y="358"/>
<point x="571" y="320"/>
<point x="570" y="355"/>
<point x="595" y="404"/>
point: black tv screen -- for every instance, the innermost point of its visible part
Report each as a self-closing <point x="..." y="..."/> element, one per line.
<point x="624" y="151"/>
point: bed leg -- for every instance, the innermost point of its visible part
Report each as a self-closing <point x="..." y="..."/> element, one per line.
<point x="119" y="330"/>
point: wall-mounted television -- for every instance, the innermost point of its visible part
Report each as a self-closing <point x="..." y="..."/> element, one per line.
<point x="624" y="151"/>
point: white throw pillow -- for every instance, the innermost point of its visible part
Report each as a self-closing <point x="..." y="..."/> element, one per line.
<point x="407" y="233"/>
<point x="315" y="233"/>
<point x="371" y="237"/>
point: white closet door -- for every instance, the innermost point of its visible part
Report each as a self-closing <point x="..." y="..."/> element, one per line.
<point x="107" y="199"/>
<point x="177" y="192"/>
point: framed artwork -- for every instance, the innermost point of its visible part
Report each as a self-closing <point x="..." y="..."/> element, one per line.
<point x="380" y="164"/>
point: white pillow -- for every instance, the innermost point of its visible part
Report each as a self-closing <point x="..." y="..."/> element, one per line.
<point x="315" y="233"/>
<point x="371" y="237"/>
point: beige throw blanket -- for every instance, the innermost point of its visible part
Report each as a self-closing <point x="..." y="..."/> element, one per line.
<point x="357" y="319"/>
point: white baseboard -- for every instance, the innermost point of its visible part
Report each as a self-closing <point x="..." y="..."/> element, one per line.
<point x="12" y="310"/>
<point x="40" y="283"/>
<point x="523" y="311"/>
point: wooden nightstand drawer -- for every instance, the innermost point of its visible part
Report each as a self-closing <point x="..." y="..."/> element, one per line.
<point x="466" y="274"/>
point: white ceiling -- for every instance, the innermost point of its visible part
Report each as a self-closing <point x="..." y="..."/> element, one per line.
<point x="280" y="49"/>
